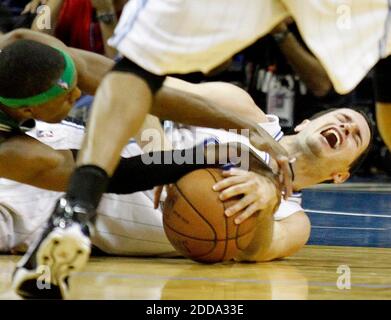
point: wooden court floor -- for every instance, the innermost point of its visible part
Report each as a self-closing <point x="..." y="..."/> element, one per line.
<point x="316" y="272"/>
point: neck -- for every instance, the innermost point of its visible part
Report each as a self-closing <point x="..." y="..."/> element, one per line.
<point x="291" y="146"/>
<point x="14" y="114"/>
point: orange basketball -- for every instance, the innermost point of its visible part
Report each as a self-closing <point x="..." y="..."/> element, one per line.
<point x="195" y="223"/>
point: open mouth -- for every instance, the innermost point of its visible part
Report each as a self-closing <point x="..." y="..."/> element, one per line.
<point x="333" y="137"/>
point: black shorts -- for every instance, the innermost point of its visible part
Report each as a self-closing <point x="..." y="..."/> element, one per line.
<point x="154" y="81"/>
<point x="382" y="80"/>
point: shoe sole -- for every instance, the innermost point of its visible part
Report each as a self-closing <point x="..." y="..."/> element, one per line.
<point x="63" y="252"/>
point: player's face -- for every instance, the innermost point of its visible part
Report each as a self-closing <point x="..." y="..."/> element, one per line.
<point x="335" y="139"/>
<point x="58" y="108"/>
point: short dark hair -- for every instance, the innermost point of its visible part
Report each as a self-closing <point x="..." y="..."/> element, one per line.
<point x="355" y="165"/>
<point x="28" y="68"/>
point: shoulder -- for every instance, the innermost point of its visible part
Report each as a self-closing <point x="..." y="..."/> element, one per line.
<point x="289" y="207"/>
<point x="3" y="137"/>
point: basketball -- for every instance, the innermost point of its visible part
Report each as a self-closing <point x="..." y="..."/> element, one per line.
<point x="195" y="223"/>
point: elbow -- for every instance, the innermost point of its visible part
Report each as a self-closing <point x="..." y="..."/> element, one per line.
<point x="13" y="36"/>
<point x="18" y="34"/>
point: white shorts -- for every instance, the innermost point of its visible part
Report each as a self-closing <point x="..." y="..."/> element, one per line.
<point x="183" y="36"/>
<point x="347" y="36"/>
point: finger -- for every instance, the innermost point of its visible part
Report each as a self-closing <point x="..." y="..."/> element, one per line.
<point x="33" y="10"/>
<point x="236" y="190"/>
<point x="26" y="9"/>
<point x="157" y="194"/>
<point x="234" y="172"/>
<point x="286" y="176"/>
<point x="34" y="6"/>
<point x="251" y="210"/>
<point x="240" y="205"/>
<point x="228" y="182"/>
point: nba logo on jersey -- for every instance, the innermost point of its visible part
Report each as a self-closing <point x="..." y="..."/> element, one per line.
<point x="45" y="134"/>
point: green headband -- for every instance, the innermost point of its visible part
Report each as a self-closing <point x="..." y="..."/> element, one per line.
<point x="62" y="86"/>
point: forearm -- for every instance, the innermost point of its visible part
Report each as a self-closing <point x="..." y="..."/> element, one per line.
<point x="226" y="96"/>
<point x="105" y="12"/>
<point x="152" y="169"/>
<point x="143" y="172"/>
<point x="107" y="30"/>
<point x="54" y="179"/>
<point x="191" y="109"/>
<point x="47" y="173"/>
<point x="306" y="66"/>
<point x="140" y="173"/>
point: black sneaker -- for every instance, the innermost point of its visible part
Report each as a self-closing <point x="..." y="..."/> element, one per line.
<point x="63" y="248"/>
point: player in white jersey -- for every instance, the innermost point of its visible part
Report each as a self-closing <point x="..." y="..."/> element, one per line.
<point x="128" y="224"/>
<point x="125" y="224"/>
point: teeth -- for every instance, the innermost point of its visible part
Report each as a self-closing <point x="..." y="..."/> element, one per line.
<point x="337" y="135"/>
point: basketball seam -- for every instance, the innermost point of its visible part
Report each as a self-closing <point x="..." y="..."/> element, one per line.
<point x="202" y="255"/>
<point x="191" y="205"/>
<point x="194" y="238"/>
<point x="236" y="238"/>
<point x="225" y="219"/>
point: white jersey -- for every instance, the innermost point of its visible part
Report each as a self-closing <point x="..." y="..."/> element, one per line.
<point x="125" y="224"/>
<point x="182" y="36"/>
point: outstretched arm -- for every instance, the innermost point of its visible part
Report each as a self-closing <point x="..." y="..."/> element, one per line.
<point x="29" y="161"/>
<point x="229" y="97"/>
<point x="194" y="109"/>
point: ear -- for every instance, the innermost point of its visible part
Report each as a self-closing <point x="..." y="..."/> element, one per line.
<point x="302" y="125"/>
<point x="26" y="112"/>
<point x="76" y="93"/>
<point x="340" y="177"/>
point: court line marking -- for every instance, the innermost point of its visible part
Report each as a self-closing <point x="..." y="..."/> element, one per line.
<point x="341" y="213"/>
<point x="170" y="278"/>
<point x="351" y="228"/>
